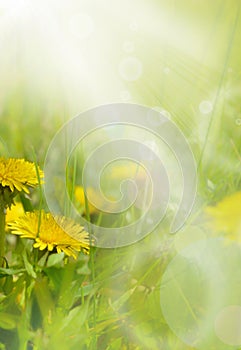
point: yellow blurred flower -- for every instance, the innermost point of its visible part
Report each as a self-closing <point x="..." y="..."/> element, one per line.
<point x="55" y="232"/>
<point x="96" y="197"/>
<point x="15" y="212"/>
<point x="80" y="198"/>
<point x="131" y="170"/>
<point x="115" y="175"/>
<point x="18" y="174"/>
<point x="226" y="216"/>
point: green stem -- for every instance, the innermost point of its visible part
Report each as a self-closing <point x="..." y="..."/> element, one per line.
<point x="2" y="229"/>
<point x="92" y="264"/>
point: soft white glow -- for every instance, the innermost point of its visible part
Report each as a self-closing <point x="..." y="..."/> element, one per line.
<point x="130" y="68"/>
<point x="87" y="54"/>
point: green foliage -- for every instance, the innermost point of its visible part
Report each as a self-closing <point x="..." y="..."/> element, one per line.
<point x="110" y="300"/>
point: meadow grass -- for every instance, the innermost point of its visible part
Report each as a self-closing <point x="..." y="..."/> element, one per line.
<point x="110" y="299"/>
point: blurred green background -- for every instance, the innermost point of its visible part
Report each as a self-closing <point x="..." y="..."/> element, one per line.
<point x="59" y="58"/>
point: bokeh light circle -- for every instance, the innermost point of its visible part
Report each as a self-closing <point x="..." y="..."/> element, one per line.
<point x="196" y="288"/>
<point x="206" y="107"/>
<point x="130" y="68"/>
<point x="128" y="46"/>
<point x="228" y="325"/>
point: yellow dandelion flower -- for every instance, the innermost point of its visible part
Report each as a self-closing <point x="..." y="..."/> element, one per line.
<point x="15" y="212"/>
<point x="55" y="232"/>
<point x="18" y="174"/>
<point x="226" y="216"/>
